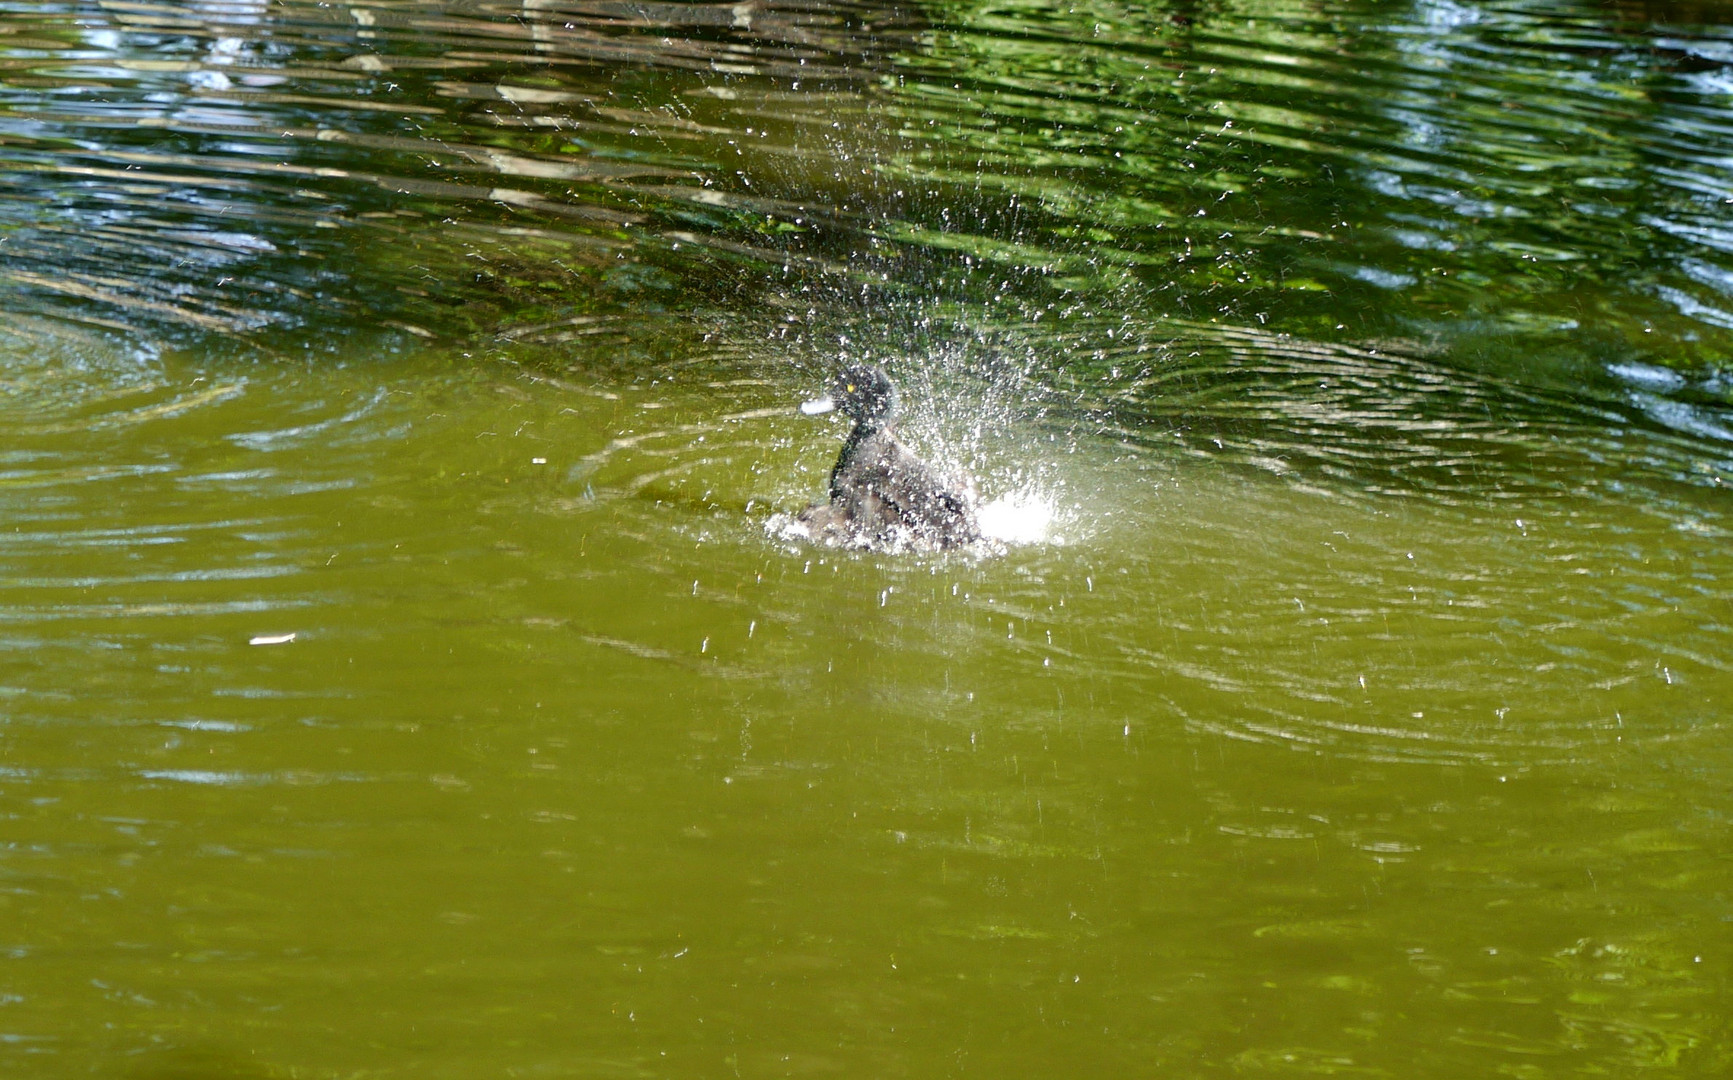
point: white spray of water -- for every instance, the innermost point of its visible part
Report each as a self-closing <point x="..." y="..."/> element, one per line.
<point x="1021" y="517"/>
<point x="971" y="407"/>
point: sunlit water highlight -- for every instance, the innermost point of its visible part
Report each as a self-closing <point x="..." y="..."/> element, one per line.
<point x="1025" y="517"/>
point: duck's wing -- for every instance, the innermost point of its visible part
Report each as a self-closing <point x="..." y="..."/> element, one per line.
<point x="919" y="499"/>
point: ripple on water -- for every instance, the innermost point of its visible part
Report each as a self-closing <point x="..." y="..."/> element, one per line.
<point x="52" y="367"/>
<point x="296" y="171"/>
<point x="1416" y="585"/>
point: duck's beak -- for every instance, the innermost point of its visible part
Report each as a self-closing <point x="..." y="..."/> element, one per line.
<point x="818" y="406"/>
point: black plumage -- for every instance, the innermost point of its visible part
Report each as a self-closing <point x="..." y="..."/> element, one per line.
<point x="881" y="494"/>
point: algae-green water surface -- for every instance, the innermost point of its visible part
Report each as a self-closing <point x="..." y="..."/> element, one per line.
<point x="403" y="673"/>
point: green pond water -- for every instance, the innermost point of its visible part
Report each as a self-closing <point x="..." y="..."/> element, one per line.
<point x="405" y="670"/>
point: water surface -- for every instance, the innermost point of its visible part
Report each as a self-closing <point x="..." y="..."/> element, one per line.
<point x="401" y="673"/>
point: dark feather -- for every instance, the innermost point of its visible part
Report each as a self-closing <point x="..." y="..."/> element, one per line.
<point x="881" y="494"/>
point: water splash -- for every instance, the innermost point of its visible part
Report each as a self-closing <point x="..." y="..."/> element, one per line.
<point x="1021" y="518"/>
<point x="1028" y="516"/>
<point x="972" y="403"/>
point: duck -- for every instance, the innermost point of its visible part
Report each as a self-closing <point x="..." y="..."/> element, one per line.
<point x="881" y="494"/>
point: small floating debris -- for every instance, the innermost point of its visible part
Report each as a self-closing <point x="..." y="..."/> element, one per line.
<point x="270" y="639"/>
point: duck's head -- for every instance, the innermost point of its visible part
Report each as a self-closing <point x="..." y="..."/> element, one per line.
<point x="863" y="392"/>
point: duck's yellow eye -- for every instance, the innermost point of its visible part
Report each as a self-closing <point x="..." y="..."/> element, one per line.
<point x="851" y="388"/>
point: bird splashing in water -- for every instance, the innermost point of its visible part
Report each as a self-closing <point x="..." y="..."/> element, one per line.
<point x="881" y="495"/>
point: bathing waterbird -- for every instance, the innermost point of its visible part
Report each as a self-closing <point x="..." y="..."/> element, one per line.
<point x="881" y="494"/>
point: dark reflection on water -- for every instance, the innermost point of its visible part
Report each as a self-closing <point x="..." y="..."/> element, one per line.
<point x="231" y="167"/>
<point x="1534" y="188"/>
